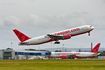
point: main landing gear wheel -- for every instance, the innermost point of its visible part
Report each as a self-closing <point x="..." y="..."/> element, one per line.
<point x="57" y="43"/>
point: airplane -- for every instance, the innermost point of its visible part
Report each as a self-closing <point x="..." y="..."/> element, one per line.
<point x="56" y="36"/>
<point x="65" y="55"/>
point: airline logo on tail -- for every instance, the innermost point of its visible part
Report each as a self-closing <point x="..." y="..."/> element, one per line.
<point x="22" y="37"/>
<point x="95" y="49"/>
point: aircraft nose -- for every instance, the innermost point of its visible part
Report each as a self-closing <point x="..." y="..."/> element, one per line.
<point x="92" y="27"/>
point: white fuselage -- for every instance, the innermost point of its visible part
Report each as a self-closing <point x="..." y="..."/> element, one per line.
<point x="72" y="32"/>
<point x="74" y="54"/>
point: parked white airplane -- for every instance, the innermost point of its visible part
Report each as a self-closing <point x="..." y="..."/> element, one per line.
<point x="61" y="35"/>
<point x="64" y="55"/>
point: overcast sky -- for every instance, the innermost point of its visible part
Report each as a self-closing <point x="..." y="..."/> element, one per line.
<point x="39" y="17"/>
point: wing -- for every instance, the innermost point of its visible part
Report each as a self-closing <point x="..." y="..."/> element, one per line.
<point x="71" y="55"/>
<point x="56" y="37"/>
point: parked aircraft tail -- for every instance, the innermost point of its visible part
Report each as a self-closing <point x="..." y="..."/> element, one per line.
<point x="95" y="49"/>
<point x="22" y="37"/>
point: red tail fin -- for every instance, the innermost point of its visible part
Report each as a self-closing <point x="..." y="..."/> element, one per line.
<point x="22" y="37"/>
<point x="95" y="49"/>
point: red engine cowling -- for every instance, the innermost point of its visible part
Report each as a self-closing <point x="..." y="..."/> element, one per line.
<point x="63" y="57"/>
<point x="67" y="36"/>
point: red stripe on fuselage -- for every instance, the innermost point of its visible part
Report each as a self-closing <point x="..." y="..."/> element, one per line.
<point x="82" y="57"/>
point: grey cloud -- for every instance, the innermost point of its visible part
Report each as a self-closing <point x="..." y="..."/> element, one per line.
<point x="103" y="1"/>
<point x="1" y="22"/>
<point x="11" y="21"/>
<point x="84" y="13"/>
<point x="43" y="21"/>
<point x="52" y="22"/>
<point x="46" y="23"/>
<point x="7" y="3"/>
<point x="99" y="22"/>
<point x="33" y="0"/>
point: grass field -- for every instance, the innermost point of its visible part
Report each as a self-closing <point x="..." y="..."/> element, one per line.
<point x="53" y="64"/>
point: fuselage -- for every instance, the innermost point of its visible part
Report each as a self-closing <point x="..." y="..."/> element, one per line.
<point x="73" y="54"/>
<point x="44" y="39"/>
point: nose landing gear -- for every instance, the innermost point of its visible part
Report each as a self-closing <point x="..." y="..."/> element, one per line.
<point x="88" y="34"/>
<point x="56" y="42"/>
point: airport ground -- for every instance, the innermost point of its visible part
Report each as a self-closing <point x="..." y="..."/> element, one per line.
<point x="53" y="64"/>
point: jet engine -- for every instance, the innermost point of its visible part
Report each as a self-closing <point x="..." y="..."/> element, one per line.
<point x="67" y="36"/>
<point x="64" y="57"/>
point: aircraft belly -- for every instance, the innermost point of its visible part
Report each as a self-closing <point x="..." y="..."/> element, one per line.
<point x="42" y="40"/>
<point x="83" y="55"/>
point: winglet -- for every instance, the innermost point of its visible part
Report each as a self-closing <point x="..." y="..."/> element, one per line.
<point x="95" y="49"/>
<point x="22" y="37"/>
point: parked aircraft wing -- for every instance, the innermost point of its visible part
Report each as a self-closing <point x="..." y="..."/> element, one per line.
<point x="71" y="55"/>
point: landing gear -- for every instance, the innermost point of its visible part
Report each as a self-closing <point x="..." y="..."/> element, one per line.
<point x="57" y="42"/>
<point x="88" y="34"/>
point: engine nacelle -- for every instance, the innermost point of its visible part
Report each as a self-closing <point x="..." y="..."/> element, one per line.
<point x="67" y="36"/>
<point x="64" y="57"/>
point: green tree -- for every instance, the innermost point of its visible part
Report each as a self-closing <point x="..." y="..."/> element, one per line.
<point x="9" y="49"/>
